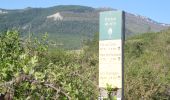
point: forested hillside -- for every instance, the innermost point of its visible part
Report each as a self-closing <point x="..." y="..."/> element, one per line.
<point x="69" y="25"/>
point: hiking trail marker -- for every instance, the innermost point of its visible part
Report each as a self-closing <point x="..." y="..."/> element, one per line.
<point x="111" y="60"/>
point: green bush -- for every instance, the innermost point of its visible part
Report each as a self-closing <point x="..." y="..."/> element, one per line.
<point x="147" y="67"/>
<point x="29" y="71"/>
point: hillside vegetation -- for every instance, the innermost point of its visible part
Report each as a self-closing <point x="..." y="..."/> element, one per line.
<point x="147" y="66"/>
<point x="28" y="70"/>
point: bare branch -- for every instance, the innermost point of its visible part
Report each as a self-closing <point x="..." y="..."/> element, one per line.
<point x="60" y="90"/>
<point x="28" y="78"/>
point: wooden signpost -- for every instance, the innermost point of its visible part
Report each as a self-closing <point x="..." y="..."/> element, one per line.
<point x="111" y="43"/>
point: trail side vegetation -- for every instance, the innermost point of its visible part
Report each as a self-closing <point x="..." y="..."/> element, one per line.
<point x="29" y="70"/>
<point x="147" y="66"/>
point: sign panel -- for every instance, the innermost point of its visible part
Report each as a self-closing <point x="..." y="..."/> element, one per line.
<point x="111" y="25"/>
<point x="110" y="49"/>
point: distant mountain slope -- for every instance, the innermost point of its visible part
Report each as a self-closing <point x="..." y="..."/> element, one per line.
<point x="69" y="25"/>
<point x="140" y="24"/>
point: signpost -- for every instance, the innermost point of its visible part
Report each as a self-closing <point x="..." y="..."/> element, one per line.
<point x="111" y="41"/>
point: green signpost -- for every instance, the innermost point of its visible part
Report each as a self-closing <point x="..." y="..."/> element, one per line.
<point x="111" y="40"/>
<point x="111" y="21"/>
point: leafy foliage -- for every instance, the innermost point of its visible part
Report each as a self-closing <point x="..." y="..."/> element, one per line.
<point x="29" y="71"/>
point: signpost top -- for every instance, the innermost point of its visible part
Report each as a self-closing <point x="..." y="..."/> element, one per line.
<point x="111" y="25"/>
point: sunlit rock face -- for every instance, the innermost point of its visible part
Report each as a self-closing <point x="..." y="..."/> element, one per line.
<point x="55" y="17"/>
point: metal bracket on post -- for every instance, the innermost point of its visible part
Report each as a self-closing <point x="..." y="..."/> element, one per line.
<point x="102" y="94"/>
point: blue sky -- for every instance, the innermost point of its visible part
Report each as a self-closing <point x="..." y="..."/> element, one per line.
<point x="158" y="10"/>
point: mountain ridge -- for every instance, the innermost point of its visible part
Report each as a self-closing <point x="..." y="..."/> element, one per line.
<point x="99" y="8"/>
<point x="73" y="23"/>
